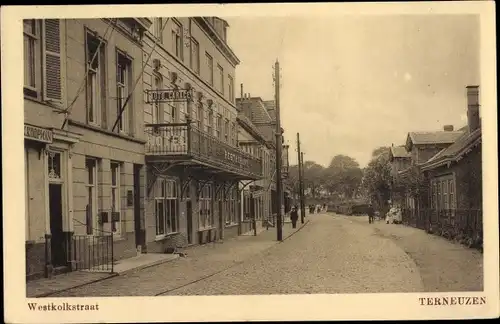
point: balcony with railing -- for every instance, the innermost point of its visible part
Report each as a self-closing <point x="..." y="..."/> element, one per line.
<point x="185" y="142"/>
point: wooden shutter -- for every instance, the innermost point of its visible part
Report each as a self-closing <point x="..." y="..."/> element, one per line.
<point x="52" y="60"/>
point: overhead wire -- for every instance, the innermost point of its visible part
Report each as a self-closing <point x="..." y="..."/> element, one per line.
<point x="67" y="110"/>
<point x="139" y="77"/>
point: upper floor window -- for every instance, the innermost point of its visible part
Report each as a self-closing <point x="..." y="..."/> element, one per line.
<point x="200" y="116"/>
<point x="230" y="89"/>
<point x="158" y="29"/>
<point x="96" y="80"/>
<point x="123" y="86"/>
<point x="195" y="56"/>
<point x="31" y="35"/>
<point x="218" y="129"/>
<point x="177" y="40"/>
<point x="220" y="72"/>
<point x="210" y="68"/>
<point x="157" y="105"/>
<point x="226" y="130"/>
<point x="42" y="59"/>
<point x="210" y="123"/>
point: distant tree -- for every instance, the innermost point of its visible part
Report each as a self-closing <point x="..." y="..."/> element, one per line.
<point x="377" y="179"/>
<point x="382" y="150"/>
<point x="342" y="177"/>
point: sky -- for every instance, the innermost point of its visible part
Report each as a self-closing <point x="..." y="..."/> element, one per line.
<point x="350" y="84"/>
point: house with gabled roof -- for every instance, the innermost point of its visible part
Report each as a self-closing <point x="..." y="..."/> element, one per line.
<point x="262" y="115"/>
<point x="449" y="168"/>
<point x="455" y="181"/>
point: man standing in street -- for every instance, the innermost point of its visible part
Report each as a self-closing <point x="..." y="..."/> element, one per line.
<point x="371" y="213"/>
<point x="294" y="216"/>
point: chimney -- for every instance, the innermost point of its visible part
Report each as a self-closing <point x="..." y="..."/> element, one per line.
<point x="241" y="90"/>
<point x="448" y="128"/>
<point x="473" y="119"/>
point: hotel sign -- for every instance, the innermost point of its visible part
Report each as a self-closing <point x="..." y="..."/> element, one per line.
<point x="168" y="95"/>
<point x="38" y="134"/>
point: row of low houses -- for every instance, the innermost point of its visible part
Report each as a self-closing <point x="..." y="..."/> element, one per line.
<point x="437" y="178"/>
<point x="110" y="175"/>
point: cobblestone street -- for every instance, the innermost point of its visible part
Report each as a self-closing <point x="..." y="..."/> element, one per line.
<point x="331" y="254"/>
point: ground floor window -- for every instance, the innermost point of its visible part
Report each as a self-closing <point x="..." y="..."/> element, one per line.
<point x="115" y="198"/>
<point x="205" y="216"/>
<point x="91" y="191"/>
<point x="166" y="206"/>
<point x="26" y="192"/>
<point x="232" y="206"/>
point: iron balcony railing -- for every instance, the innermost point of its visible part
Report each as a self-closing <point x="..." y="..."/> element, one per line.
<point x="187" y="141"/>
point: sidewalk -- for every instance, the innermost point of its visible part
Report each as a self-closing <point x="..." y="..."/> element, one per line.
<point x="200" y="261"/>
<point x="46" y="286"/>
<point x="444" y="265"/>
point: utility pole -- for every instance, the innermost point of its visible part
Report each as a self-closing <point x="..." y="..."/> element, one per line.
<point x="279" y="189"/>
<point x="301" y="192"/>
<point x="302" y="197"/>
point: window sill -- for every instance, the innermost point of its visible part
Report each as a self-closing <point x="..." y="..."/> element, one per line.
<point x="164" y="237"/>
<point x="50" y="104"/>
<point x="107" y="132"/>
<point x="204" y="229"/>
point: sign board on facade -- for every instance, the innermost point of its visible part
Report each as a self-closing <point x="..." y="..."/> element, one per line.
<point x="38" y="134"/>
<point x="168" y="95"/>
<point x="236" y="159"/>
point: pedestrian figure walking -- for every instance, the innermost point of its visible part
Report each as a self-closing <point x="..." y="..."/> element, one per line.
<point x="294" y="216"/>
<point x="371" y="213"/>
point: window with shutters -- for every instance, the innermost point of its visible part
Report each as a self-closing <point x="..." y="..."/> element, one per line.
<point x="177" y="39"/>
<point x="96" y="80"/>
<point x="42" y="59"/>
<point x="123" y="86"/>
<point x="52" y="60"/>
<point x="195" y="56"/>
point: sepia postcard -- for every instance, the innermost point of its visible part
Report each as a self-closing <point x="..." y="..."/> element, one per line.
<point x="250" y="162"/>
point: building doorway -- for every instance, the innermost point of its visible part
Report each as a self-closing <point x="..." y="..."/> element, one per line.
<point x="189" y="211"/>
<point x="57" y="244"/>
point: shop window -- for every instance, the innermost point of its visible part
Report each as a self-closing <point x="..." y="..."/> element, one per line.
<point x="206" y="218"/>
<point x="166" y="207"/>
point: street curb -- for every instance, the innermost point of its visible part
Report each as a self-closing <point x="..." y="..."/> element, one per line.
<point x="112" y="275"/>
<point x="152" y="265"/>
<point x="156" y="263"/>
<point x="73" y="287"/>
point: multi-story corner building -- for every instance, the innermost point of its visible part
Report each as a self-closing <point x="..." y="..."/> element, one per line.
<point x="194" y="165"/>
<point x="83" y="157"/>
